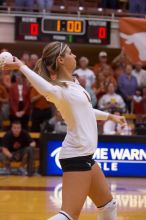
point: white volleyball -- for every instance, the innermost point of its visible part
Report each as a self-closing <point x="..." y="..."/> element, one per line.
<point x="5" y="57"/>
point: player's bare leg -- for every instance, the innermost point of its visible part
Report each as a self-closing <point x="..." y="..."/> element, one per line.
<point x="76" y="186"/>
<point x="101" y="195"/>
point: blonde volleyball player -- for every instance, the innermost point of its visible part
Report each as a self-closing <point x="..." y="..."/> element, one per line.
<point x="82" y="177"/>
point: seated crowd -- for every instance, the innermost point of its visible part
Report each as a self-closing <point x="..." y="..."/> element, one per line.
<point x="117" y="87"/>
<point x="112" y="86"/>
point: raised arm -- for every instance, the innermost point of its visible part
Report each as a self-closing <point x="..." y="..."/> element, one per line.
<point x="51" y="92"/>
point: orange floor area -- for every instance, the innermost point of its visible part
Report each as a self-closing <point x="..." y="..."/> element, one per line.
<point x="38" y="198"/>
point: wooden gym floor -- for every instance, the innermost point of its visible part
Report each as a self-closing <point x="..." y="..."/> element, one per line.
<point x="38" y="198"/>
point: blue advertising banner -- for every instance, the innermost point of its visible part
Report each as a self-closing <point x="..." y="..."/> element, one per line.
<point x="114" y="158"/>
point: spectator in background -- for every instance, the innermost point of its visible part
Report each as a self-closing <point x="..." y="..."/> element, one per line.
<point x="117" y="70"/>
<point x="92" y="94"/>
<point x="20" y="101"/>
<point x="17" y="145"/>
<point x="6" y="79"/>
<point x="41" y="110"/>
<point x="99" y="86"/>
<point x="58" y="123"/>
<point x="84" y="71"/>
<point x="3" y="50"/>
<point x="45" y="5"/>
<point x="25" y="58"/>
<point x="101" y="64"/>
<point x="137" y="6"/>
<point x="108" y="74"/>
<point x="111" y="100"/>
<point x="137" y="103"/>
<point x="112" y="128"/>
<point x="144" y="99"/>
<point x="3" y="103"/>
<point x="24" y="4"/>
<point x="120" y="62"/>
<point x="127" y="85"/>
<point x="33" y="60"/>
<point x="140" y="74"/>
<point x="103" y="79"/>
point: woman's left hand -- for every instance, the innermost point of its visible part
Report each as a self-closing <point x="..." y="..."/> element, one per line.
<point x="118" y="119"/>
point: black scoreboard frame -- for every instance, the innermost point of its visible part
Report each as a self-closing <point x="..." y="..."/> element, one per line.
<point x="71" y="29"/>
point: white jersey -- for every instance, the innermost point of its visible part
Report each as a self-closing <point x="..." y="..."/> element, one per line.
<point x="73" y="102"/>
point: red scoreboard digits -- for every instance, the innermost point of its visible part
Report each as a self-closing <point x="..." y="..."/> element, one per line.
<point x="34" y="29"/>
<point x="102" y="32"/>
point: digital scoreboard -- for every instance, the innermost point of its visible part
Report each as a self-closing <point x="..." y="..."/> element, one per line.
<point x="70" y="30"/>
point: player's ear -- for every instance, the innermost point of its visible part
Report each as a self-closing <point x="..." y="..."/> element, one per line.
<point x="60" y="60"/>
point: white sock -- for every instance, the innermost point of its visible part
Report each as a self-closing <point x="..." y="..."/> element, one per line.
<point x="109" y="211"/>
<point x="61" y="216"/>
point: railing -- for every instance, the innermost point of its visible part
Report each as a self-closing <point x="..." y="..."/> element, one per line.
<point x="72" y="11"/>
